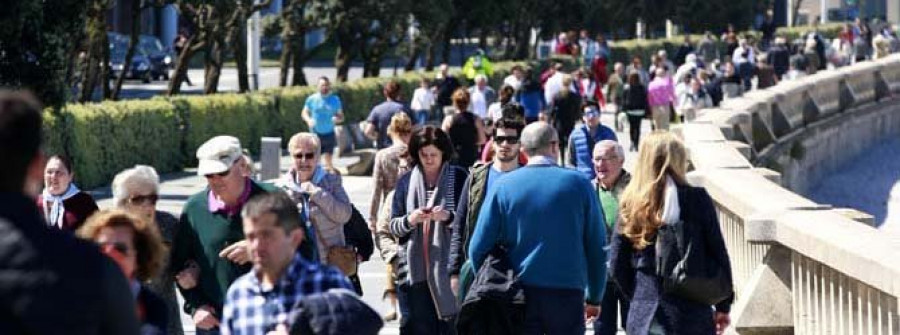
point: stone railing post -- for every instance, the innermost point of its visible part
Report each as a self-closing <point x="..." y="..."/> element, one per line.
<point x="270" y="158"/>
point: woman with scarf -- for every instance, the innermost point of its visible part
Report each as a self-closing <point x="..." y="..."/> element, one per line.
<point x="659" y="195"/>
<point x="63" y="204"/>
<point x="308" y="183"/>
<point x="421" y="213"/>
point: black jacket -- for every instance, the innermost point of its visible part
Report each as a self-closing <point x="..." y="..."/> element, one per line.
<point x="495" y="304"/>
<point x="54" y="283"/>
<point x="634" y="271"/>
<point x="334" y="312"/>
<point x="634" y="98"/>
<point x="358" y="235"/>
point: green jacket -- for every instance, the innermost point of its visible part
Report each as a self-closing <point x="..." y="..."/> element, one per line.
<point x="200" y="236"/>
<point x="466" y="216"/>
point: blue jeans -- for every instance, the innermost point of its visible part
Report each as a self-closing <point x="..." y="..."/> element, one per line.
<point x="553" y="311"/>
<point x="745" y="70"/>
<point x="613" y="302"/>
<point x="421" y="116"/>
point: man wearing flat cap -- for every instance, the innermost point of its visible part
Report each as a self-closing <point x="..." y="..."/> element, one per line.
<point x="210" y="232"/>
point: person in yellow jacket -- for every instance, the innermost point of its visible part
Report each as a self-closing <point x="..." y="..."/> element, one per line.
<point x="478" y="64"/>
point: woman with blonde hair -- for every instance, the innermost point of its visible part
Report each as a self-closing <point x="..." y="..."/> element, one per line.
<point x="390" y="163"/>
<point x="659" y="195"/>
<point x="135" y="244"/>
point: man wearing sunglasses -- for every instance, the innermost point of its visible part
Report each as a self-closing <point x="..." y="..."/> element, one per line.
<point x="583" y="138"/>
<point x="506" y="152"/>
<point x="210" y="230"/>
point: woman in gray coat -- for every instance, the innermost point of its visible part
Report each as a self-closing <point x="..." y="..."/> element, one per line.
<point x="421" y="213"/>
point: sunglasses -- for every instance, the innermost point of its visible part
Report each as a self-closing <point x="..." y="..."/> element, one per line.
<point x="507" y="139"/>
<point x="144" y="199"/>
<point x="121" y="247"/>
<point x="306" y="156"/>
<point x="220" y="174"/>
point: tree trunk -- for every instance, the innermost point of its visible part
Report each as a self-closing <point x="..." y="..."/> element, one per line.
<point x="239" y="46"/>
<point x="795" y="11"/>
<point x="300" y="58"/>
<point x="344" y="56"/>
<point x="214" y="66"/>
<point x="414" y="52"/>
<point x="429" y="56"/>
<point x="182" y="63"/>
<point x="448" y="34"/>
<point x="482" y="39"/>
<point x="89" y="73"/>
<point x="104" y="66"/>
<point x="285" y="61"/>
<point x="132" y="46"/>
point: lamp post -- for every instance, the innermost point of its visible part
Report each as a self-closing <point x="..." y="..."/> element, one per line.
<point x="253" y="49"/>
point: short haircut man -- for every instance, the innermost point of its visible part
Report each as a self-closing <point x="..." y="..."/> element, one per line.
<point x="507" y="134"/>
<point x="46" y="273"/>
<point x="550" y="221"/>
<point x="262" y="300"/>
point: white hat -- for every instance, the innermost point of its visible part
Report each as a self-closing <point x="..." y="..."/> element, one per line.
<point x="218" y="154"/>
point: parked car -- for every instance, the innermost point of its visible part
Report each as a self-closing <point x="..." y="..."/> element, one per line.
<point x="151" y="61"/>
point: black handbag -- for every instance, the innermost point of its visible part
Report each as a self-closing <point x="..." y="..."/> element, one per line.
<point x="686" y="267"/>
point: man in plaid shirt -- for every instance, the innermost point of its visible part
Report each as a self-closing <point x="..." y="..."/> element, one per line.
<point x="261" y="300"/>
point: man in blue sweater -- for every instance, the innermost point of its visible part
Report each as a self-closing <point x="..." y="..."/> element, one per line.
<point x="550" y="221"/>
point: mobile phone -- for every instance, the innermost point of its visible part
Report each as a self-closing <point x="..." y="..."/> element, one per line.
<point x="426" y="210"/>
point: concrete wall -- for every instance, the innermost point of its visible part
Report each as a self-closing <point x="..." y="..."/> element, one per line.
<point x="800" y="267"/>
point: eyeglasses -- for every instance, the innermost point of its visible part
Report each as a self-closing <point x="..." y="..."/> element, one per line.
<point x="306" y="156"/>
<point x="220" y="174"/>
<point x="507" y="139"/>
<point x="606" y="159"/>
<point x="144" y="199"/>
<point x="121" y="247"/>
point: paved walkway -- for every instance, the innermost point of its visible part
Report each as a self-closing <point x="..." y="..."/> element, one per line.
<point x="177" y="187"/>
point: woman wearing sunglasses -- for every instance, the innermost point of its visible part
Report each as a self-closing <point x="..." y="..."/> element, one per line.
<point x="135" y="244"/>
<point x="136" y="190"/>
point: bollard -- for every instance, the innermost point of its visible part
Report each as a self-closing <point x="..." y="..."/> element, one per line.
<point x="270" y="158"/>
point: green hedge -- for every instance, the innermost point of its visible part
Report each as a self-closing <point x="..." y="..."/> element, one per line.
<point x="164" y="132"/>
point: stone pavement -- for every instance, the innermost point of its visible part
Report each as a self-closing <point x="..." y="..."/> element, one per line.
<point x="177" y="187"/>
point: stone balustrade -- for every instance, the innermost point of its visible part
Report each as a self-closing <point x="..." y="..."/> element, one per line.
<point x="801" y="267"/>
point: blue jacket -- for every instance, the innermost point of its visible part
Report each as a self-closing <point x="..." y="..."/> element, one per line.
<point x="551" y="223"/>
<point x="634" y="271"/>
<point x="532" y="101"/>
<point x="581" y="147"/>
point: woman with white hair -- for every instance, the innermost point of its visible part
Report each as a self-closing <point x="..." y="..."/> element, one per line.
<point x="136" y="190"/>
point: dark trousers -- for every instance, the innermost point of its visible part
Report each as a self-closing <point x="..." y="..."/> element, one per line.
<point x="613" y="304"/>
<point x="402" y="293"/>
<point x="422" y="318"/>
<point x="634" y="129"/>
<point x="553" y="311"/>
<point x="745" y="70"/>
<point x="207" y="332"/>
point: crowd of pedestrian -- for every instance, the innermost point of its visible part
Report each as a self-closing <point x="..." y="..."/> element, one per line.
<point x="506" y="210"/>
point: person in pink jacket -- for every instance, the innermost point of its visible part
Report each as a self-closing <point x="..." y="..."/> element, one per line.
<point x="660" y="96"/>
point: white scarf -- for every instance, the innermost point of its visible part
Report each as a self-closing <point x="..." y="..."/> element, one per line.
<point x="671" y="208"/>
<point x="55" y="214"/>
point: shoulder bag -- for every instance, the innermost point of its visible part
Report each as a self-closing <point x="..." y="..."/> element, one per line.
<point x="686" y="268"/>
